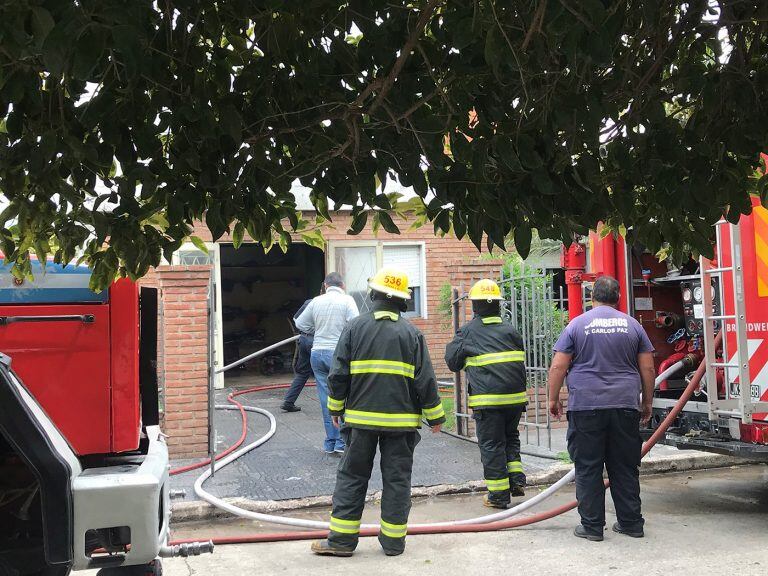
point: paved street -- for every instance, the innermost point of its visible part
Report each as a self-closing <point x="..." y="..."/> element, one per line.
<point x="705" y="522"/>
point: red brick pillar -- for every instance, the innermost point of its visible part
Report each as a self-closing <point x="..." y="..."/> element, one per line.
<point x="183" y="363"/>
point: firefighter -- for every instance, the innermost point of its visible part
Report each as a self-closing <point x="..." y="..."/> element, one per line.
<point x="490" y="351"/>
<point x="381" y="384"/>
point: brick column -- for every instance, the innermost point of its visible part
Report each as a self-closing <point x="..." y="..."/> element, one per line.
<point x="183" y="363"/>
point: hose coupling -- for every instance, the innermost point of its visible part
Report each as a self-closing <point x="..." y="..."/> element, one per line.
<point x="187" y="549"/>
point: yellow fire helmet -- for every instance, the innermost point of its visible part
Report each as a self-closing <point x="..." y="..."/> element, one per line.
<point x="392" y="282"/>
<point x="485" y="290"/>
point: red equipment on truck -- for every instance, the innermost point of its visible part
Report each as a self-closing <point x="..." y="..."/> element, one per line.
<point x="682" y="310"/>
<point x="83" y="464"/>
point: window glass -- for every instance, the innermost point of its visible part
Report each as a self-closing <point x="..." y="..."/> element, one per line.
<point x="356" y="264"/>
<point x="187" y="257"/>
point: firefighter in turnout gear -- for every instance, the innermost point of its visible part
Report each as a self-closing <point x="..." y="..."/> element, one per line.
<point x="381" y="385"/>
<point x="490" y="351"/>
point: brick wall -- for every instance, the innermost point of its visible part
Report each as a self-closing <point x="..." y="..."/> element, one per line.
<point x="183" y="356"/>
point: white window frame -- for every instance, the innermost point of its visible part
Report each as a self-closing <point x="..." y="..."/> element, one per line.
<point x="379" y="245"/>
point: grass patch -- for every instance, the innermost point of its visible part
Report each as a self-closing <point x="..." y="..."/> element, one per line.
<point x="450" y="417"/>
<point x="564" y="457"/>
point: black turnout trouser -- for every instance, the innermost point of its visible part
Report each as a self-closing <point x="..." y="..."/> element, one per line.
<point x="499" y="441"/>
<point x="352" y="485"/>
<point x="609" y="438"/>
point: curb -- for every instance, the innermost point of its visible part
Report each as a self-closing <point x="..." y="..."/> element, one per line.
<point x="199" y="510"/>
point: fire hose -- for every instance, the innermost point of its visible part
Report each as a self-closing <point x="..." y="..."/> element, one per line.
<point x="498" y="521"/>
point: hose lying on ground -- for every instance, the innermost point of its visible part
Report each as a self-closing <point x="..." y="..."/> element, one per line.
<point x="499" y="521"/>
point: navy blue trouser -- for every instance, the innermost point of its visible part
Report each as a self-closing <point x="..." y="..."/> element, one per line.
<point x="607" y="438"/>
<point x="302" y="371"/>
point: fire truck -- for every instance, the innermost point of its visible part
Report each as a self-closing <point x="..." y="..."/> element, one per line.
<point x="83" y="463"/>
<point x="682" y="310"/>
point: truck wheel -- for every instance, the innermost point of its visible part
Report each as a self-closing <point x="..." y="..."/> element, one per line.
<point x="154" y="568"/>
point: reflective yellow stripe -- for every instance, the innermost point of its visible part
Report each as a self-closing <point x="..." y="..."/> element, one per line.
<point x="492" y="320"/>
<point x="515" y="466"/>
<point x="384" y="314"/>
<point x="495" y="358"/>
<point x="335" y="405"/>
<point x="497" y="399"/>
<point x="497" y="485"/>
<point x="394" y="530"/>
<point x="382" y="367"/>
<point x="434" y="413"/>
<point x="345" y="526"/>
<point x="381" y="419"/>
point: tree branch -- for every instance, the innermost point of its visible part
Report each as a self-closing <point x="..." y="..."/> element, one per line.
<point x="536" y="22"/>
<point x="405" y="52"/>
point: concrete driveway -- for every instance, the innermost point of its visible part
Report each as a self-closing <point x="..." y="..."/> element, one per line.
<point x="705" y="522"/>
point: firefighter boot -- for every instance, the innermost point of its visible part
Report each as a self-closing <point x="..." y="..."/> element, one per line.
<point x="490" y="503"/>
<point x="324" y="548"/>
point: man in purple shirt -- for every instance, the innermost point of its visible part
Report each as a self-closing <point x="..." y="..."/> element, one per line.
<point x="608" y="359"/>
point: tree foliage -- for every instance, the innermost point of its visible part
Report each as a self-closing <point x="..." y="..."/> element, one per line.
<point x="124" y="121"/>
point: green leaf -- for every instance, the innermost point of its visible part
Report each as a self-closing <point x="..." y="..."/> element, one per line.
<point x="314" y="238"/>
<point x="382" y="201"/>
<point x="199" y="244"/>
<point x="358" y="223"/>
<point x="321" y="205"/>
<point x="231" y="123"/>
<point x="284" y="241"/>
<point x="237" y="235"/>
<point x="88" y="52"/>
<point x="387" y="223"/>
<point x="528" y="155"/>
<point x="459" y="225"/>
<point x="443" y="221"/>
<point x="42" y="24"/>
<point x="495" y="49"/>
<point x="523" y="235"/>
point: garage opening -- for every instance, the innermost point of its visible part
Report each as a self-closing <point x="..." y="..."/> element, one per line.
<point x="260" y="293"/>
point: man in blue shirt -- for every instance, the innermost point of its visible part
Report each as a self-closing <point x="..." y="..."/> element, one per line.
<point x="608" y="359"/>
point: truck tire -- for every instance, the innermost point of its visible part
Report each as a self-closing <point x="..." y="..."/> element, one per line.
<point x="154" y="568"/>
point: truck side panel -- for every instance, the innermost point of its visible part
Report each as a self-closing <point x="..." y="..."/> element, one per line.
<point x="65" y="365"/>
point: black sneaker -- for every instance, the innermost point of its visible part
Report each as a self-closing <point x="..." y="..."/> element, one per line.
<point x="631" y="533"/>
<point x="581" y="532"/>
<point x="290" y="408"/>
<point x="393" y="552"/>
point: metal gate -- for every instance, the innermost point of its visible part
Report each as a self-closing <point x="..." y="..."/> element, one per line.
<point x="539" y="314"/>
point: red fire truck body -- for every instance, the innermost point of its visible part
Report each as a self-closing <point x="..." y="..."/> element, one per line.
<point x="681" y="319"/>
<point x="83" y="464"/>
<point x="84" y="372"/>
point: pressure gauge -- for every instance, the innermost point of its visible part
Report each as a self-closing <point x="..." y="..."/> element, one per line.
<point x="697" y="294"/>
<point x="687" y="295"/>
